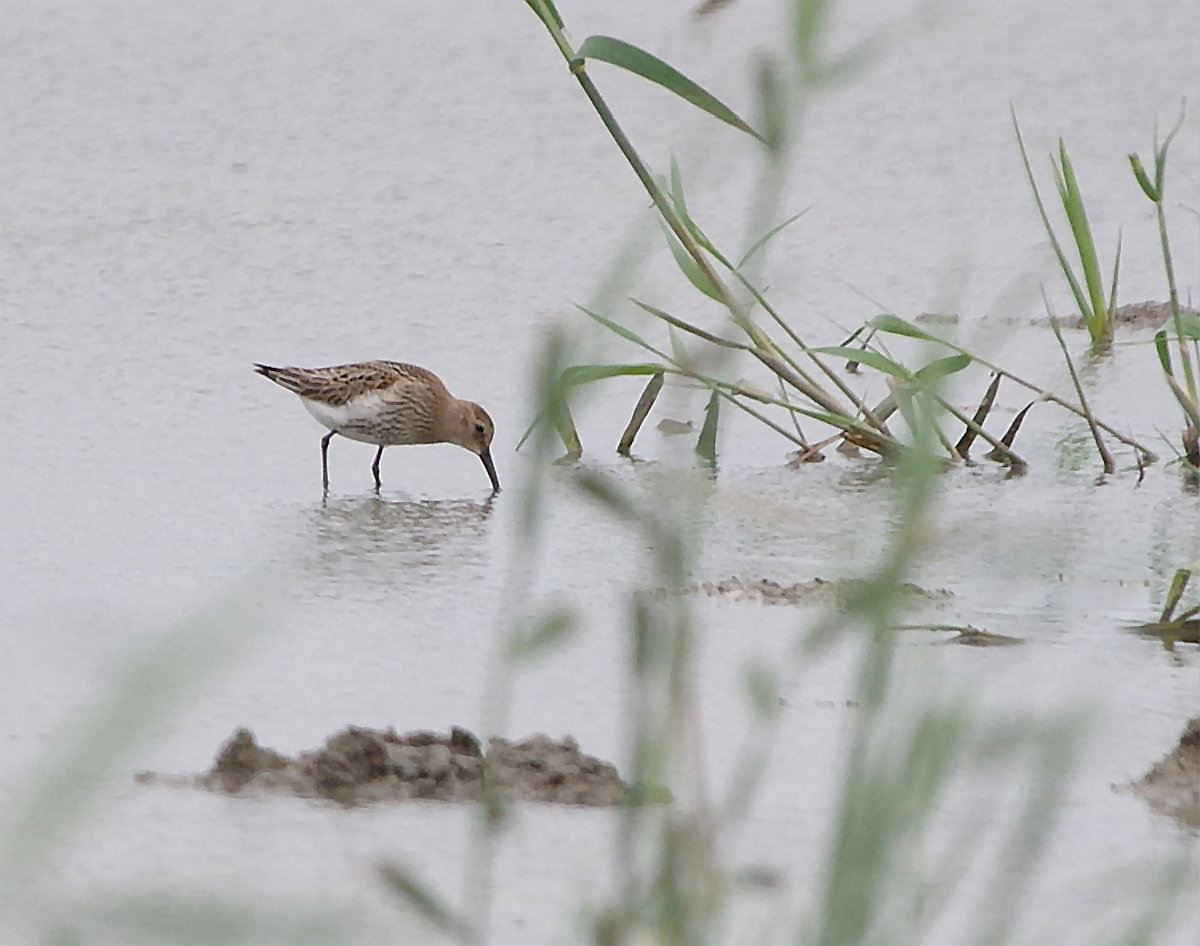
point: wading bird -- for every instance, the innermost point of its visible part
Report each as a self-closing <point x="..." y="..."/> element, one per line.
<point x="387" y="403"/>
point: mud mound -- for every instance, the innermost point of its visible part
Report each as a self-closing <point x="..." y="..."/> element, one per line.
<point x="1139" y="315"/>
<point x="1172" y="787"/>
<point x="360" y="766"/>
<point x="817" y="591"/>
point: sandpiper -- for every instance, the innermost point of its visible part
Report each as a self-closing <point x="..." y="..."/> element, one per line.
<point x="387" y="403"/>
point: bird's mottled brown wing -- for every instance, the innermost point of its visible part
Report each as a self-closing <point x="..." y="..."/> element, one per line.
<point x="339" y="384"/>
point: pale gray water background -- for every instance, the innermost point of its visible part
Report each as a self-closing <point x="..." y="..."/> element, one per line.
<point x="191" y="188"/>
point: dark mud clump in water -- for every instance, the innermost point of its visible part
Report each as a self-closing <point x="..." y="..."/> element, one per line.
<point x="241" y="760"/>
<point x="1172" y="787"/>
<point x="973" y="637"/>
<point x="1134" y="315"/>
<point x="1139" y="315"/>
<point x="361" y="766"/>
<point x="817" y="591"/>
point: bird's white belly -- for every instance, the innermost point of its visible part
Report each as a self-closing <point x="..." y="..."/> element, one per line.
<point x="359" y="419"/>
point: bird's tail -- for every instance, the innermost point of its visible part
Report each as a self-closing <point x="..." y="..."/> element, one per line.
<point x="284" y="377"/>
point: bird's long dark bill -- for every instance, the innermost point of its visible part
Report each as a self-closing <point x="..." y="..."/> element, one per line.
<point x="486" y="457"/>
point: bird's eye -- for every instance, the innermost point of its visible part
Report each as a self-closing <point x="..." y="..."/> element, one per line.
<point x="479" y="428"/>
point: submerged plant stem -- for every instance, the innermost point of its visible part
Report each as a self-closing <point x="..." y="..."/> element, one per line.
<point x="1177" y="318"/>
<point x="1106" y="458"/>
<point x="640" y="412"/>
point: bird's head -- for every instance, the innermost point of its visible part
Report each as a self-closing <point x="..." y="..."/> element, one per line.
<point x="475" y="434"/>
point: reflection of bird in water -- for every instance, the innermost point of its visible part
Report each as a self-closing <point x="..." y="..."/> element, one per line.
<point x="387" y="403"/>
<point x="369" y="542"/>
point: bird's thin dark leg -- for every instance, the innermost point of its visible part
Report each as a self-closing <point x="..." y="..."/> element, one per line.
<point x="375" y="467"/>
<point x="325" y="460"/>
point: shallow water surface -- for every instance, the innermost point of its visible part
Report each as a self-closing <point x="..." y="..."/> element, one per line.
<point x="192" y="188"/>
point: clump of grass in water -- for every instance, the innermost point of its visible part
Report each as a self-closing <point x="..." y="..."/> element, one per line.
<point x="1175" y="625"/>
<point x="702" y="263"/>
<point x="1187" y="394"/>
<point x="1096" y="306"/>
<point x="1097" y="313"/>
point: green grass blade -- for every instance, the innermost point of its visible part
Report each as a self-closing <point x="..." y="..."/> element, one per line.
<point x="673" y="187"/>
<point x="695" y="275"/>
<point x="894" y="325"/>
<point x="525" y="436"/>
<point x="585" y="374"/>
<point x="762" y="687"/>
<point x="706" y="444"/>
<point x="617" y="52"/>
<point x="1163" y="349"/>
<point x="773" y="111"/>
<point x="543" y="635"/>
<point x="1189" y="325"/>
<point x="840" y="421"/>
<point x="422" y="899"/>
<point x="766" y="237"/>
<point x="864" y="356"/>
<point x="1160" y="157"/>
<point x="1190" y="408"/>
<point x="1064" y="265"/>
<point x="1099" y="324"/>
<point x="674" y="322"/>
<point x="678" y="349"/>
<point x="550" y="8"/>
<point x="567" y="432"/>
<point x="627" y="334"/>
<point x="855" y="61"/>
<point x="1139" y="172"/>
<point x="677" y="190"/>
<point x="808" y="27"/>
<point x="1112" y="288"/>
<point x="138" y="915"/>
<point x="943" y="367"/>
<point x="1179" y="583"/>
